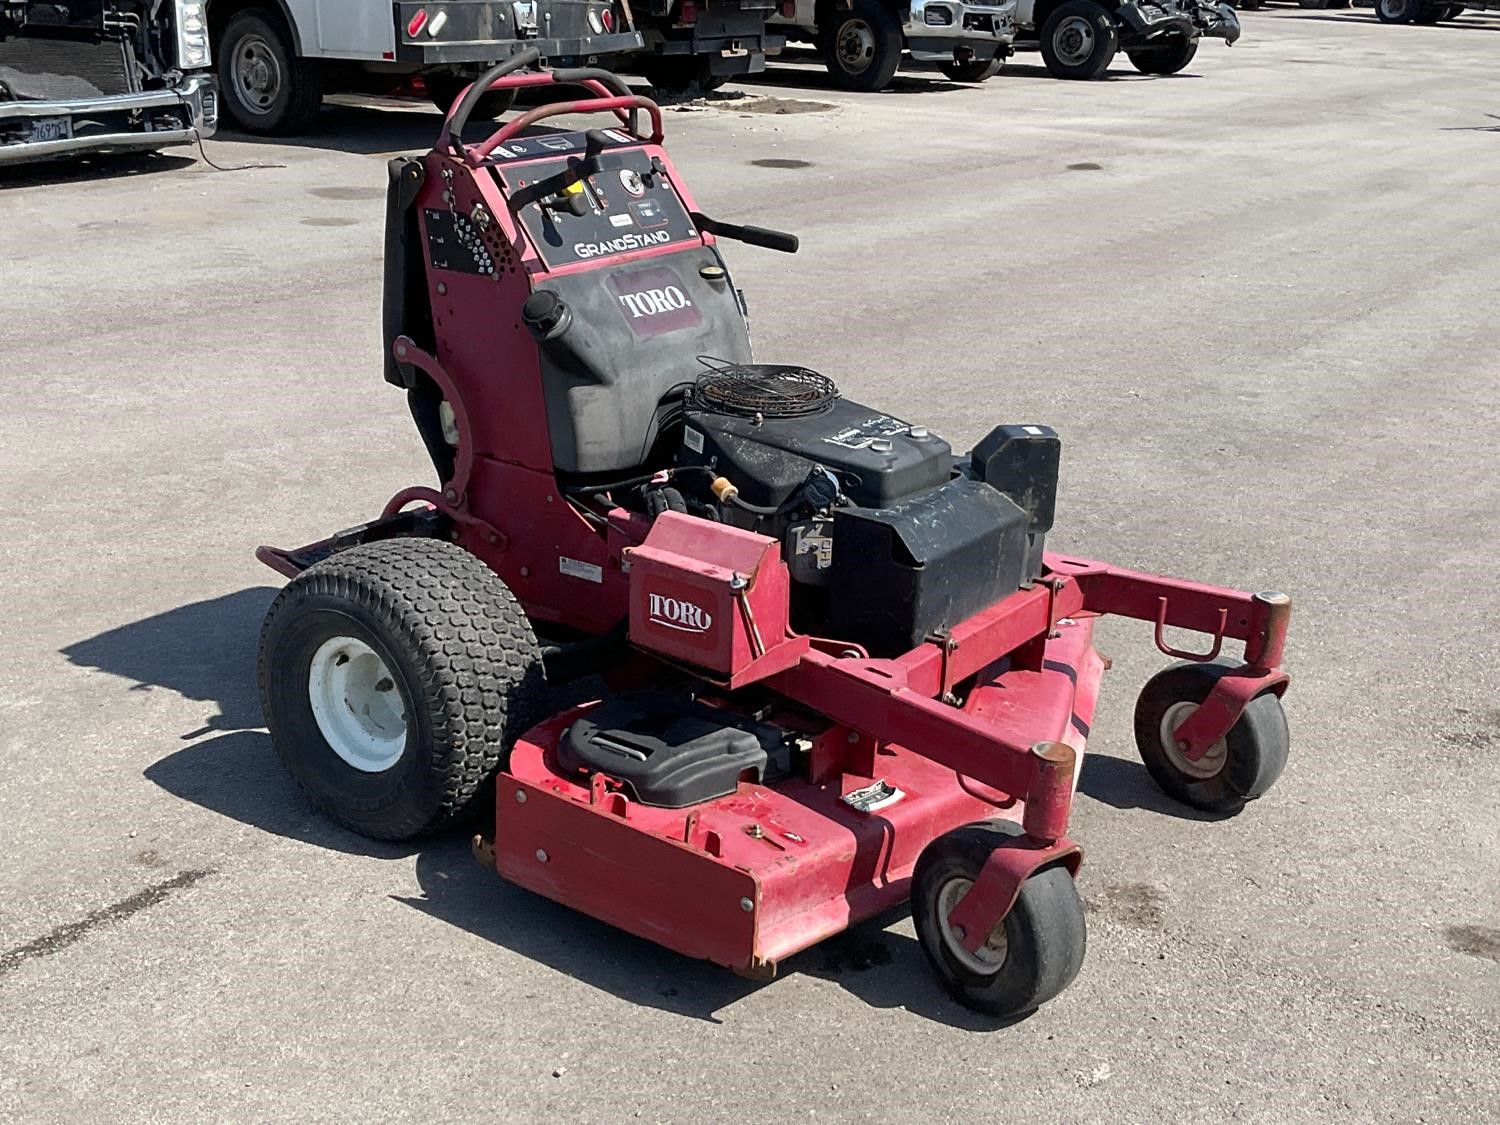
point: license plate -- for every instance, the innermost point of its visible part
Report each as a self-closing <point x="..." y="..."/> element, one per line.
<point x="51" y="128"/>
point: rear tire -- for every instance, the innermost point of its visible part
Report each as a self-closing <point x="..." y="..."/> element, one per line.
<point x="1172" y="58"/>
<point x="444" y="90"/>
<point x="1238" y="768"/>
<point x="1079" y="40"/>
<point x="266" y="88"/>
<point x="974" y="70"/>
<point x="1396" y="11"/>
<point x="1035" y="952"/>
<point x="862" y="45"/>
<point x="1427" y="14"/>
<point x="394" y="678"/>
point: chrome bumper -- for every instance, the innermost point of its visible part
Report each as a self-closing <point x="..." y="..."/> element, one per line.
<point x="938" y="28"/>
<point x="197" y="96"/>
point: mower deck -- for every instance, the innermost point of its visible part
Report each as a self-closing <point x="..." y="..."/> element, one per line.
<point x="749" y="879"/>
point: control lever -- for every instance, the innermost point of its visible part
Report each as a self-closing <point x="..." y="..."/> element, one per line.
<point x="594" y="142"/>
<point x="755" y="236"/>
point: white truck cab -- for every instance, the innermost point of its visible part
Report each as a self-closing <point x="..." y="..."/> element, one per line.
<point x="862" y="40"/>
<point x="276" y="58"/>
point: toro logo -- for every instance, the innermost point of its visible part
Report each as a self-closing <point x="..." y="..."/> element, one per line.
<point x="678" y="613"/>
<point x="653" y="300"/>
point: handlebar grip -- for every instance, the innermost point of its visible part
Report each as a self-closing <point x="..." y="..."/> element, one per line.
<point x="460" y="118"/>
<point x="755" y="236"/>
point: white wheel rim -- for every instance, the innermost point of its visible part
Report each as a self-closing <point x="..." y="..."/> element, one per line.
<point x="1205" y="767"/>
<point x="356" y="704"/>
<point x="989" y="958"/>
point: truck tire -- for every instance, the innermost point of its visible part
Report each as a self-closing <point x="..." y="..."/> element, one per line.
<point x="1168" y="59"/>
<point x="862" y="45"/>
<point x="1429" y="14"/>
<point x="1079" y="40"/>
<point x="394" y="678"/>
<point x="266" y="87"/>
<point x="974" y="70"/>
<point x="1396" y="11"/>
<point x="677" y="74"/>
<point x="444" y="90"/>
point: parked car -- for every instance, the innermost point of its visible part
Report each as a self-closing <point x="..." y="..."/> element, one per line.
<point x="98" y="76"/>
<point x="862" y="40"/>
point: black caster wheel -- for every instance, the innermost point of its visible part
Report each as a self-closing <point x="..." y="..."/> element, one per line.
<point x="1238" y="768"/>
<point x="1033" y="954"/>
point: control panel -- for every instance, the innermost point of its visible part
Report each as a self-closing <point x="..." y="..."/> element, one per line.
<point x="625" y="203"/>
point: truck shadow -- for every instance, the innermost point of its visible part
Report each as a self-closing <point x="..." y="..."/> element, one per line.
<point x="807" y="78"/>
<point x="56" y="173"/>
<point x="1120" y="73"/>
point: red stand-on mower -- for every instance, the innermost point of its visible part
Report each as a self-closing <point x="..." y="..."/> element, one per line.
<point x="837" y="668"/>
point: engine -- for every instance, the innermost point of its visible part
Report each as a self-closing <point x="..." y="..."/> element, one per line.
<point x="888" y="536"/>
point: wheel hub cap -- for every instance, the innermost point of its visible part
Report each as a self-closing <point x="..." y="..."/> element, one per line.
<point x="988" y="959"/>
<point x="856" y="45"/>
<point x="1205" y="767"/>
<point x="1075" y="41"/>
<point x="257" y="77"/>
<point x="356" y="704"/>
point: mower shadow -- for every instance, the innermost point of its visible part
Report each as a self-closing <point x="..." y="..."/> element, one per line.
<point x="1125" y="784"/>
<point x="884" y="970"/>
<point x="238" y="775"/>
<point x="203" y="651"/>
<point x="206" y="651"/>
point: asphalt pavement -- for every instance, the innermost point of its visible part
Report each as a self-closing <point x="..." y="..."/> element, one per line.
<point x="1258" y="302"/>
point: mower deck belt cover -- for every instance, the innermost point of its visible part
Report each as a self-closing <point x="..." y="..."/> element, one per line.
<point x="669" y="752"/>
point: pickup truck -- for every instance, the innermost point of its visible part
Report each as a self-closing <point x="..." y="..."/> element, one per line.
<point x="862" y="40"/>
<point x="702" y="43"/>
<point x="277" y="58"/>
<point x="1079" y="38"/>
<point x="101" y="76"/>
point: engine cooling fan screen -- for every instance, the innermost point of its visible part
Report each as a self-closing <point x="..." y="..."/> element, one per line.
<point x="769" y="389"/>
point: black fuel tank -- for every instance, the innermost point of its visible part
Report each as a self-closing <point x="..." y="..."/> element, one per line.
<point x="925" y="564"/>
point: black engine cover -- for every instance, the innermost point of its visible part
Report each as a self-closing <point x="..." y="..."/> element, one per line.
<point x="878" y="459"/>
<point x="902" y="573"/>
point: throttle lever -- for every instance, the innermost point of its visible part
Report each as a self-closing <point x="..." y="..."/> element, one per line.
<point x="755" y="236"/>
